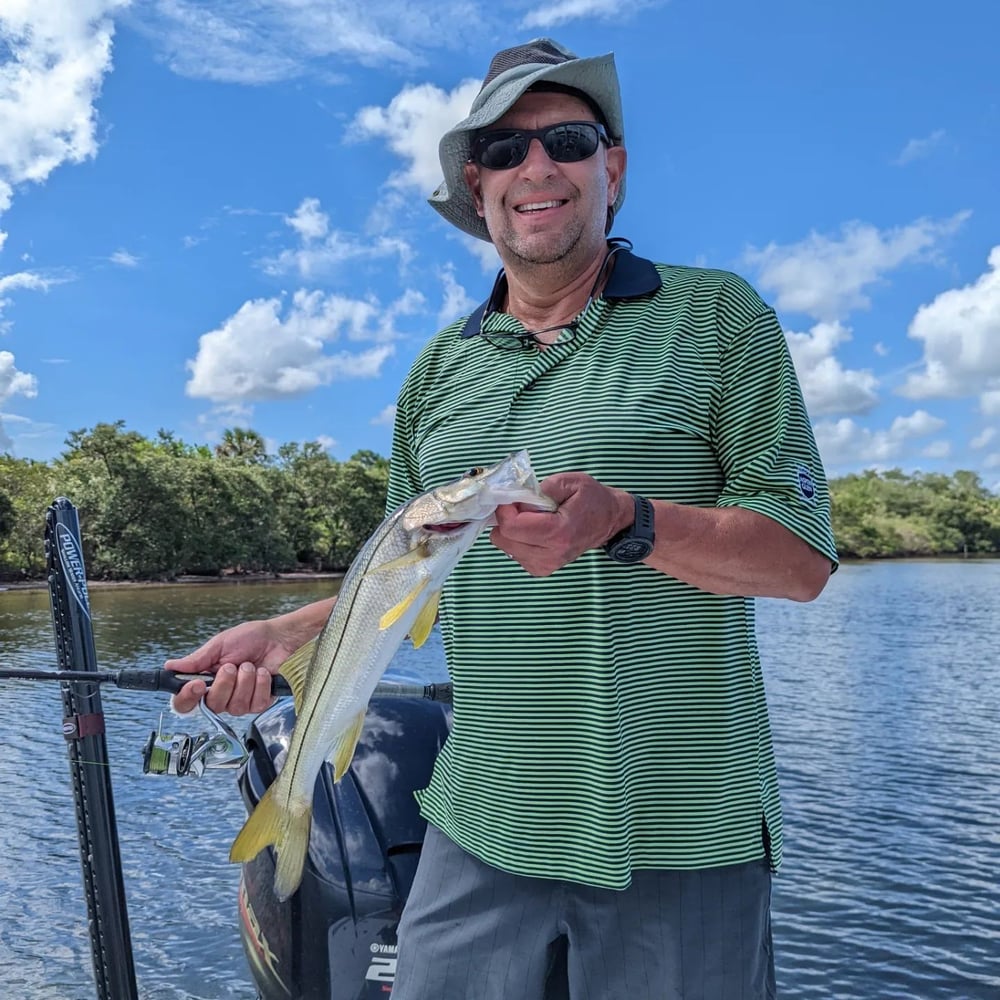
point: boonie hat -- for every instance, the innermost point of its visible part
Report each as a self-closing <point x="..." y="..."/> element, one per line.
<point x="511" y="73"/>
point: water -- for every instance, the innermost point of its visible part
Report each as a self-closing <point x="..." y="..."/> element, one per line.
<point x="887" y="729"/>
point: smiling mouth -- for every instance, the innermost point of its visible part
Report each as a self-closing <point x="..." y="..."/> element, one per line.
<point x="538" y="206"/>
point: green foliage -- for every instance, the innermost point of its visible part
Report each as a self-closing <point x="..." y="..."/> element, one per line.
<point x="157" y="508"/>
<point x="29" y="488"/>
<point x="924" y="514"/>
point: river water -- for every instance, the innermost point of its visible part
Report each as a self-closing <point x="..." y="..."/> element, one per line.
<point x="883" y="696"/>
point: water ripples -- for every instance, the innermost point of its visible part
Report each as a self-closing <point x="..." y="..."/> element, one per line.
<point x="883" y="697"/>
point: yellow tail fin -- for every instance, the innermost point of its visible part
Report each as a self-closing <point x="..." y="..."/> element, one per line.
<point x="268" y="824"/>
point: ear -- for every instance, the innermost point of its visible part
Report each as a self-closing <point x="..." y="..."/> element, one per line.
<point x="616" y="162"/>
<point x="471" y="174"/>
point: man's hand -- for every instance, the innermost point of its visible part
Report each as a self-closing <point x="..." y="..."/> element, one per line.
<point x="589" y="514"/>
<point x="242" y="659"/>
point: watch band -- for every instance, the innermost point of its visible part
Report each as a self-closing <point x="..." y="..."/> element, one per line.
<point x="636" y="542"/>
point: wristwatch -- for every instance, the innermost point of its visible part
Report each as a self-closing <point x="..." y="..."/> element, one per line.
<point x="636" y="542"/>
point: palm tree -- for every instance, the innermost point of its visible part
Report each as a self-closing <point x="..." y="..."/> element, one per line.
<point x="242" y="445"/>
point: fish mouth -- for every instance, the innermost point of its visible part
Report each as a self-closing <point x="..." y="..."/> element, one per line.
<point x="444" y="527"/>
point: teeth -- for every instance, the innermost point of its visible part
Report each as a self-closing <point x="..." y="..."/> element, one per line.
<point x="538" y="206"/>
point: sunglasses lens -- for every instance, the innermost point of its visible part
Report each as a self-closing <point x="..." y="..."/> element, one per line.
<point x="501" y="150"/>
<point x="568" y="142"/>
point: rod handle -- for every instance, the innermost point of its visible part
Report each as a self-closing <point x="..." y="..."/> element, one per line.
<point x="173" y="681"/>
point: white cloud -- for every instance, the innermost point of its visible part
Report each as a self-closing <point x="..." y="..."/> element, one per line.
<point x="267" y="351"/>
<point x="263" y="41"/>
<point x="827" y="386"/>
<point x="124" y="259"/>
<point x="323" y="251"/>
<point x="386" y="417"/>
<point x="412" y="125"/>
<point x="20" y="280"/>
<point x="13" y="383"/>
<point x="326" y="442"/>
<point x="457" y="302"/>
<point x="982" y="439"/>
<point x="309" y="220"/>
<point x="564" y="11"/>
<point x="486" y="253"/>
<point x="54" y="57"/>
<point x="826" y="277"/>
<point x="57" y="54"/>
<point x="960" y="331"/>
<point x="917" y="149"/>
<point x="937" y="449"/>
<point x="989" y="403"/>
<point x="844" y="442"/>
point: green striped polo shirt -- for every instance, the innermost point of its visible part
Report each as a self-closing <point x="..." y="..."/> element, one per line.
<point x="610" y="717"/>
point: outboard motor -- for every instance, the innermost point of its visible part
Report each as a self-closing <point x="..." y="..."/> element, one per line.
<point x="335" y="938"/>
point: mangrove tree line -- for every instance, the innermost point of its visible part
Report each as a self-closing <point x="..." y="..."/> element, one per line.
<point x="159" y="508"/>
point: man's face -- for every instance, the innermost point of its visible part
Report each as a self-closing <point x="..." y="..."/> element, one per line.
<point x="540" y="211"/>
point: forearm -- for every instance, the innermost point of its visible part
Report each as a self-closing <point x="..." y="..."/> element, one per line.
<point x="731" y="550"/>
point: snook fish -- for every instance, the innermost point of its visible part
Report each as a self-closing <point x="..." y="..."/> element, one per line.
<point x="390" y="590"/>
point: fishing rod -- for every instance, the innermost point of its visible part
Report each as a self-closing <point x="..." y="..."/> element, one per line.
<point x="134" y="679"/>
<point x="130" y="679"/>
<point x="216" y="748"/>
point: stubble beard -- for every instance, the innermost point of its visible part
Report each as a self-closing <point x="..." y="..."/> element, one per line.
<point x="544" y="249"/>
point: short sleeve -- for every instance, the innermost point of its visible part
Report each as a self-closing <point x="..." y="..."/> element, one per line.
<point x="763" y="435"/>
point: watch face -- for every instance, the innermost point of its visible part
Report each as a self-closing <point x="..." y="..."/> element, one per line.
<point x="631" y="550"/>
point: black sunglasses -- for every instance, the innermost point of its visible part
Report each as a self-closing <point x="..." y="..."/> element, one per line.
<point x="564" y="142"/>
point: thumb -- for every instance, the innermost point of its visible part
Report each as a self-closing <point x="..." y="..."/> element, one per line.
<point x="203" y="660"/>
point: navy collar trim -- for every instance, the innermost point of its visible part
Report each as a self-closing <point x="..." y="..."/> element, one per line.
<point x="631" y="278"/>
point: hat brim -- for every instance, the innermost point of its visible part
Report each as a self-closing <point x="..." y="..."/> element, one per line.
<point x="596" y="77"/>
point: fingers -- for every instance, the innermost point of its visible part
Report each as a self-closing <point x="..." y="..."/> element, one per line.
<point x="240" y="690"/>
<point x="186" y="700"/>
<point x="543" y="542"/>
<point x="235" y="691"/>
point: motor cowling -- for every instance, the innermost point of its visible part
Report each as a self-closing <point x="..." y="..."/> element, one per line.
<point x="335" y="938"/>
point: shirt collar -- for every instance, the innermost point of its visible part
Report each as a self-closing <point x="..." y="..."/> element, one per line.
<point x="631" y="278"/>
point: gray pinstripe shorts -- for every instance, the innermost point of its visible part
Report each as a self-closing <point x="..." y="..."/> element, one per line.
<point x="472" y="932"/>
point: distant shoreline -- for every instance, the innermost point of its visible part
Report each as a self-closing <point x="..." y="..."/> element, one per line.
<point x="192" y="580"/>
<point x="186" y="580"/>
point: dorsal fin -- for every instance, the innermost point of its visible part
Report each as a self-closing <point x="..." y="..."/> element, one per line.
<point x="294" y="670"/>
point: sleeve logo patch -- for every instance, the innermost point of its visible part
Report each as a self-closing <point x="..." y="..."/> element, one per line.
<point x="807" y="486"/>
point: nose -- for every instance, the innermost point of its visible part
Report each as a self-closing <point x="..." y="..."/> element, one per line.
<point x="536" y="159"/>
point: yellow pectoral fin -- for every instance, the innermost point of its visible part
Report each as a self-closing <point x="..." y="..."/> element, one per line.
<point x="419" y="552"/>
<point x="425" y="620"/>
<point x="343" y="750"/>
<point x="394" y="614"/>
<point x="294" y="670"/>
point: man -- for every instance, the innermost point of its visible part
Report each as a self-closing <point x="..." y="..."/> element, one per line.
<point x="604" y="818"/>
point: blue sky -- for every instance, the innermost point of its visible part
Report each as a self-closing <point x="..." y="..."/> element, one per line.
<point x="212" y="212"/>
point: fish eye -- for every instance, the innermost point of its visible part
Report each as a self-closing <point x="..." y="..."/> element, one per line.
<point x="476" y="470"/>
